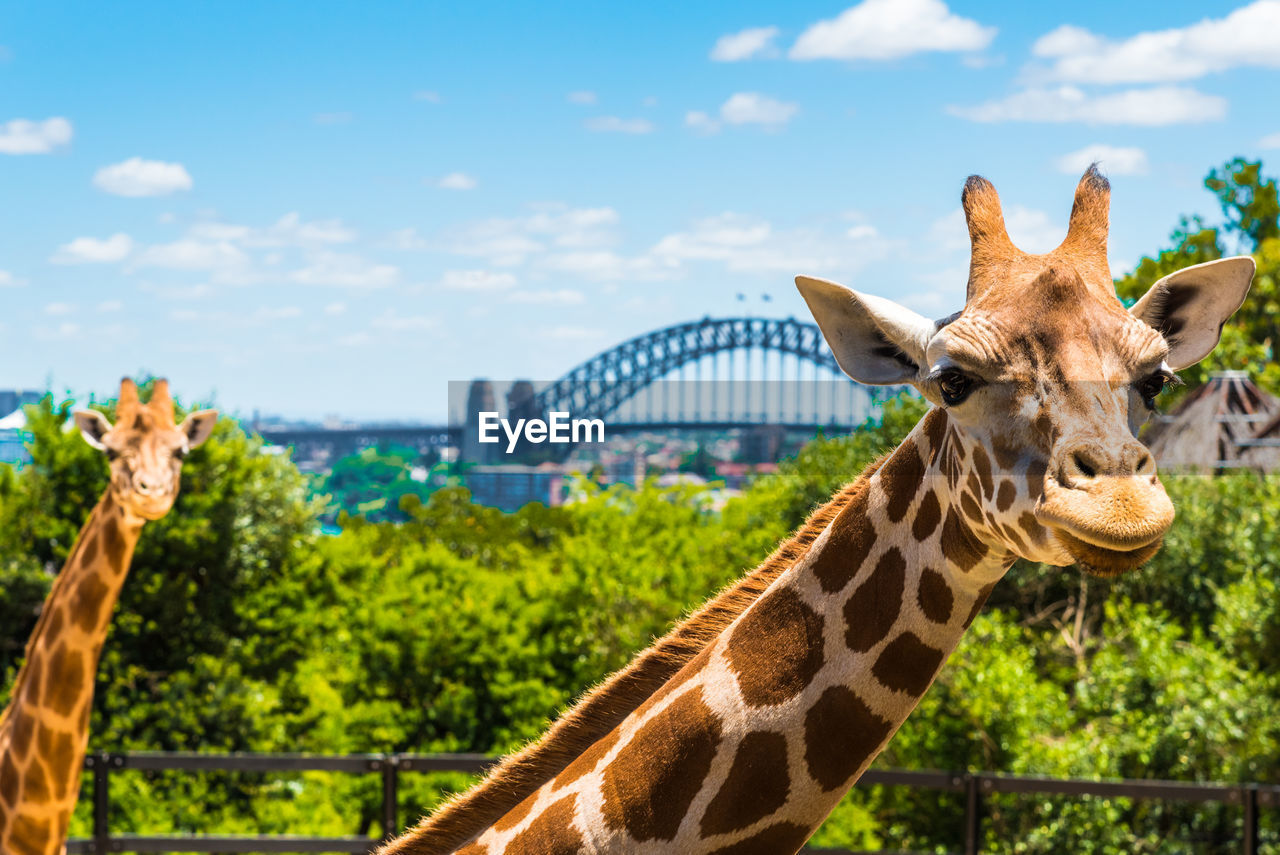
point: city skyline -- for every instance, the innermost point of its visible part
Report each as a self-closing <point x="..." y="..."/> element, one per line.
<point x="337" y="210"/>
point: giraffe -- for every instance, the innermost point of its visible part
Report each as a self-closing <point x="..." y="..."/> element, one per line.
<point x="739" y="731"/>
<point x="44" y="731"/>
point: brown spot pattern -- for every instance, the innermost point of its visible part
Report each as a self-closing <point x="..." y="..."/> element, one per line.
<point x="757" y="785"/>
<point x="840" y="733"/>
<point x="847" y="546"/>
<point x="900" y="478"/>
<point x="1030" y="525"/>
<point x="934" y="596"/>
<point x="969" y="507"/>
<point x="90" y="594"/>
<point x="65" y="680"/>
<point x="928" y="515"/>
<point x="935" y="428"/>
<point x="30" y="836"/>
<point x="113" y="542"/>
<point x="907" y="664"/>
<point x="516" y="815"/>
<point x="1005" y="495"/>
<point x="650" y="784"/>
<point x="8" y="780"/>
<point x="776" y="648"/>
<point x="23" y="727"/>
<point x="785" y="838"/>
<point x="473" y="849"/>
<point x="982" y="464"/>
<point x="552" y="833"/>
<point x="978" y="603"/>
<point x="870" y="613"/>
<point x="959" y="544"/>
<point x="587" y="760"/>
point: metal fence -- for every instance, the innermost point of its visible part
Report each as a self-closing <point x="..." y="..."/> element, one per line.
<point x="975" y="787"/>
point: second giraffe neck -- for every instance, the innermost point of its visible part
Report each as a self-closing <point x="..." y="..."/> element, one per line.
<point x="52" y="696"/>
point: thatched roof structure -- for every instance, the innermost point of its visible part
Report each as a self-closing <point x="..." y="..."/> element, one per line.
<point x="1215" y="427"/>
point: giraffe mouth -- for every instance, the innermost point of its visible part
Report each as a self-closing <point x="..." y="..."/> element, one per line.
<point x="1101" y="561"/>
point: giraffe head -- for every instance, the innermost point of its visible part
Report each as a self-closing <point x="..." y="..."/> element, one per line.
<point x="144" y="447"/>
<point x="1045" y="379"/>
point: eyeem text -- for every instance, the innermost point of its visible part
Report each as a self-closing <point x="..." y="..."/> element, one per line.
<point x="558" y="429"/>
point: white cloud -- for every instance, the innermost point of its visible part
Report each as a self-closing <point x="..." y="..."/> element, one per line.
<point x="1165" y="105"/>
<point x="110" y="306"/>
<point x="747" y="244"/>
<point x="568" y="333"/>
<point x="581" y="97"/>
<point x="23" y="136"/>
<point x="394" y="322"/>
<point x="476" y="280"/>
<point x="701" y="122"/>
<point x="8" y="280"/>
<point x="603" y="265"/>
<point x="427" y="95"/>
<point x="345" y="271"/>
<point x="192" y="254"/>
<point x="561" y="296"/>
<point x="756" y="42"/>
<point x="1246" y="37"/>
<point x="87" y="250"/>
<point x="511" y="241"/>
<point x="889" y="29"/>
<point x="1114" y="160"/>
<point x="1270" y="141"/>
<point x="335" y="309"/>
<point x="616" y="125"/>
<point x="288" y="231"/>
<point x="752" y="108"/>
<point x="138" y="177"/>
<point x="457" y="181"/>
<point x="59" y="309"/>
<point x="649" y="101"/>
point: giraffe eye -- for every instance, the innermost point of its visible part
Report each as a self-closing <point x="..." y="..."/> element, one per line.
<point x="955" y="386"/>
<point x="1152" y="385"/>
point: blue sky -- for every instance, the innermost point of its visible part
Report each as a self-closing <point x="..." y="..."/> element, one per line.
<point x="333" y="208"/>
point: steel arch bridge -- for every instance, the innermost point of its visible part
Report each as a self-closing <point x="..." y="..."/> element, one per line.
<point x="597" y="387"/>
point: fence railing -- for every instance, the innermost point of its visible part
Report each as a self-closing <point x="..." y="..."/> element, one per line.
<point x="975" y="786"/>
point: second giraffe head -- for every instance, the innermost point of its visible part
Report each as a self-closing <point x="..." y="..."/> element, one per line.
<point x="144" y="447"/>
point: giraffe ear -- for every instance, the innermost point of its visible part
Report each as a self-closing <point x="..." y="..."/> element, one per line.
<point x="198" y="426"/>
<point x="93" y="427"/>
<point x="1190" y="306"/>
<point x="875" y="340"/>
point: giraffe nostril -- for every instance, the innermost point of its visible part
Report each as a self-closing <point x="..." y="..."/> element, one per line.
<point x="1083" y="466"/>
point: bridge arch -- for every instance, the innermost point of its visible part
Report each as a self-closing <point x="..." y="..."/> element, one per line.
<point x="596" y="388"/>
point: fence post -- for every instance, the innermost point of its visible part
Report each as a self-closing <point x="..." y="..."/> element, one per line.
<point x="972" y="814"/>
<point x="390" y="770"/>
<point x="101" y="765"/>
<point x="1250" y="798"/>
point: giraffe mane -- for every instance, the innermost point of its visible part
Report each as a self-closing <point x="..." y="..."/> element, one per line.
<point x="464" y="816"/>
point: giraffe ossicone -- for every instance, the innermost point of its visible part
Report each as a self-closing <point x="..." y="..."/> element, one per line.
<point x="44" y="732"/>
<point x="739" y="731"/>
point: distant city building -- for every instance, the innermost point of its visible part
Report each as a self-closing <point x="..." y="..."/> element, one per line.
<point x="13" y="439"/>
<point x="16" y="399"/>
<point x="510" y="486"/>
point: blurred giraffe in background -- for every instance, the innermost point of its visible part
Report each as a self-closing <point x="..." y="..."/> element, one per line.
<point x="44" y="732"/>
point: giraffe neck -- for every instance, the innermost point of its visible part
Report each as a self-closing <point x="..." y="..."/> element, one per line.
<point x="753" y="743"/>
<point x="44" y="731"/>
